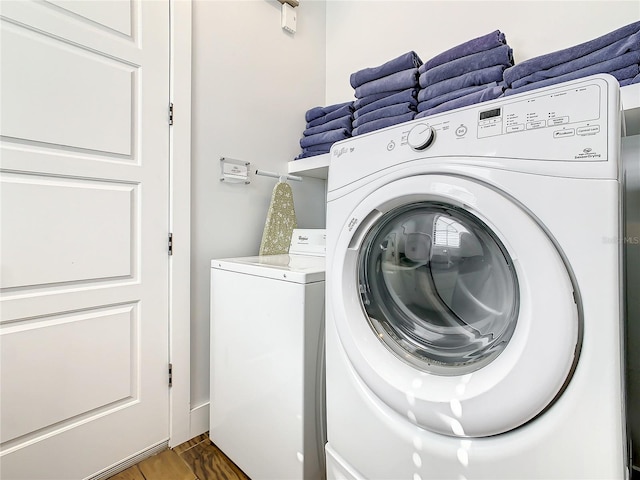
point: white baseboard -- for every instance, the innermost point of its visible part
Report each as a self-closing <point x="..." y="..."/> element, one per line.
<point x="137" y="458"/>
<point x="199" y="419"/>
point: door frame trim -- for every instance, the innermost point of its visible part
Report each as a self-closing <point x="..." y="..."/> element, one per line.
<point x="180" y="222"/>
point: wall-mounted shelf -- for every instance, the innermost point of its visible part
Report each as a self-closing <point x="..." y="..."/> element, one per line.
<point x="318" y="166"/>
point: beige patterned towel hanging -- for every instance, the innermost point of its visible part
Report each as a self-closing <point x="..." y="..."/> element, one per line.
<point x="281" y="220"/>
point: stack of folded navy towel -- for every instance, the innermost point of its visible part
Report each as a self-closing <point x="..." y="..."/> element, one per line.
<point x="325" y="126"/>
<point x="616" y="53"/>
<point x="466" y="74"/>
<point x="386" y="94"/>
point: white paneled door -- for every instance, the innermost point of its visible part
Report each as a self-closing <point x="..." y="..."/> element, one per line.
<point x="84" y="226"/>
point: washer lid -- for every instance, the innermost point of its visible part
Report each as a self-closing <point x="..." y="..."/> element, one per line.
<point x="287" y="267"/>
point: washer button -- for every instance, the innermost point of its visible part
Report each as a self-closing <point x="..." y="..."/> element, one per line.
<point x="461" y="131"/>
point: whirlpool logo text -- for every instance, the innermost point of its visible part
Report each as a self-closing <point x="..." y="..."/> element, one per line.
<point x="342" y="150"/>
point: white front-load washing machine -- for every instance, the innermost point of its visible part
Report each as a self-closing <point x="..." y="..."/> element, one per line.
<point x="474" y="320"/>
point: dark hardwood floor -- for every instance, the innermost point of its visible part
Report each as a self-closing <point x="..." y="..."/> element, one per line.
<point x="197" y="459"/>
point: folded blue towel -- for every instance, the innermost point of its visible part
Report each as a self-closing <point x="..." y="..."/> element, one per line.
<point x="626" y="73"/>
<point x="344" y="111"/>
<point x="616" y="49"/>
<point x="609" y="66"/>
<point x="502" y="55"/>
<point x="559" y="57"/>
<point x="408" y="95"/>
<point x="390" y="111"/>
<point x="478" y="77"/>
<point x="367" y="99"/>
<point x="317" y="112"/>
<point x="480" y="44"/>
<point x="382" y="123"/>
<point x="320" y="147"/>
<point x="398" y="64"/>
<point x="629" y="81"/>
<point x="433" y="102"/>
<point x="311" y="154"/>
<point x="324" y="137"/>
<point x="487" y="94"/>
<point x="396" y="81"/>
<point x="342" y="122"/>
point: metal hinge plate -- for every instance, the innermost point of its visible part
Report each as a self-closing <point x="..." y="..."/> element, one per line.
<point x="170" y="248"/>
<point x="171" y="375"/>
<point x="171" y="114"/>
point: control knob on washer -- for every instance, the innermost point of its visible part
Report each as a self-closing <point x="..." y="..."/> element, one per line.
<point x="421" y="136"/>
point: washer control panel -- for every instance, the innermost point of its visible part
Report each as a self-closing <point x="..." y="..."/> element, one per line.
<point x="545" y="131"/>
<point x="568" y="122"/>
<point x="555" y="111"/>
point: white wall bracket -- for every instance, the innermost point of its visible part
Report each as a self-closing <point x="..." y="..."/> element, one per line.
<point x="234" y="171"/>
<point x="288" y="17"/>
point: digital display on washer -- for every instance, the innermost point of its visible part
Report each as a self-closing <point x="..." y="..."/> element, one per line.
<point x="490" y="114"/>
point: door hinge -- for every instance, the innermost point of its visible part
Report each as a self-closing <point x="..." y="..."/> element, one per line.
<point x="171" y="114"/>
<point x="170" y="244"/>
<point x="171" y="374"/>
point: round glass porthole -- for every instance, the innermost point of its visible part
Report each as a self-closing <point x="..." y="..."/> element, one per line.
<point x="438" y="287"/>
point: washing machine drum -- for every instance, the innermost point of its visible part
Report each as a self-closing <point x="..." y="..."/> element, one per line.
<point x="454" y="305"/>
<point x="439" y="289"/>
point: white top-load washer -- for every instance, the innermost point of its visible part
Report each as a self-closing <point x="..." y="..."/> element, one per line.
<point x="267" y="360"/>
<point x="474" y="320"/>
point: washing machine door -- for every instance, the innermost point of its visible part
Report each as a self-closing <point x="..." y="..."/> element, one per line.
<point x="454" y="305"/>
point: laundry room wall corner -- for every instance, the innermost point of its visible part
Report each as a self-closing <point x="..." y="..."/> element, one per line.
<point x="251" y="85"/>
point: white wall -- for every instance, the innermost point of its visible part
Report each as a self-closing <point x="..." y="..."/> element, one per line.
<point x="365" y="33"/>
<point x="252" y="83"/>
